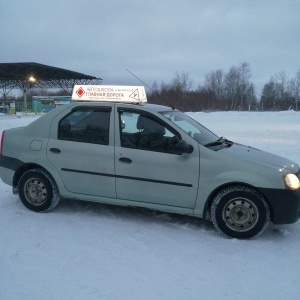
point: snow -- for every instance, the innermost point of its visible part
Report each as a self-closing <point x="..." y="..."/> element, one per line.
<point x="86" y="250"/>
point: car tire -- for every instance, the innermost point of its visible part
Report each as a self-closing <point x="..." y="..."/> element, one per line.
<point x="240" y="212"/>
<point x="38" y="191"/>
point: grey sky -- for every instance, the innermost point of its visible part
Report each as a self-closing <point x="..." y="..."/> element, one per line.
<point x="153" y="39"/>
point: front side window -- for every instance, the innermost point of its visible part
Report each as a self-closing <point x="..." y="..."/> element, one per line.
<point x="144" y="132"/>
<point x="85" y="126"/>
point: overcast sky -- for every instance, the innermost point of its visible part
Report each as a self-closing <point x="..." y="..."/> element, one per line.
<point x="153" y="39"/>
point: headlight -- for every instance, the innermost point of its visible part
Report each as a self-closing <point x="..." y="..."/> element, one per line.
<point x="291" y="181"/>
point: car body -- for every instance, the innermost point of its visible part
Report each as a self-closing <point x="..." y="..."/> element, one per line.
<point x="146" y="155"/>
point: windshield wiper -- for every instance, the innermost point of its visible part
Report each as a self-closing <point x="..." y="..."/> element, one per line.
<point x="219" y="141"/>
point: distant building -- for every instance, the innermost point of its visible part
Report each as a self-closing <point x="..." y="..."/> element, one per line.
<point x="46" y="103"/>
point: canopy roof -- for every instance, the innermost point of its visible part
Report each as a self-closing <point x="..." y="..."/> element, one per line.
<point x="33" y="75"/>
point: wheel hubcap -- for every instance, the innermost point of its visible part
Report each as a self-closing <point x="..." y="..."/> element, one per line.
<point x="240" y="214"/>
<point x="35" y="191"/>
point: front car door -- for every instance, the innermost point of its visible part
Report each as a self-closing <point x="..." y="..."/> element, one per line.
<point x="146" y="169"/>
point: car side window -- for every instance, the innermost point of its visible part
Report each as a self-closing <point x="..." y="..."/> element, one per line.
<point x="141" y="131"/>
<point x="85" y="126"/>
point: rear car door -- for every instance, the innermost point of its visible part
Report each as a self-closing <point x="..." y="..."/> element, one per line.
<point x="81" y="147"/>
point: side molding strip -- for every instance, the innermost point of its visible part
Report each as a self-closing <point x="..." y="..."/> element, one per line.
<point x="128" y="177"/>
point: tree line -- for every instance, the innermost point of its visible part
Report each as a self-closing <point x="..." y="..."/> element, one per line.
<point x="232" y="90"/>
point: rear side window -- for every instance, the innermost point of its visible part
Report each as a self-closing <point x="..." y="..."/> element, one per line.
<point x="85" y="126"/>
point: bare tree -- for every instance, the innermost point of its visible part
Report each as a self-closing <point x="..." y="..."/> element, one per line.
<point x="244" y="84"/>
<point x="237" y="86"/>
<point x="251" y="99"/>
<point x="294" y="87"/>
<point x="231" y="84"/>
<point x="234" y="88"/>
<point x="268" y="96"/>
<point x="214" y="83"/>
<point x="280" y="84"/>
<point x="155" y="87"/>
<point x="181" y="86"/>
<point x="182" y="82"/>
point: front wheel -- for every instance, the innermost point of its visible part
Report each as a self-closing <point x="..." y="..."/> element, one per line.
<point x="38" y="191"/>
<point x="240" y="212"/>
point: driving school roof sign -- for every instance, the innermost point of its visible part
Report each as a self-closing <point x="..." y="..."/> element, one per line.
<point x="109" y="93"/>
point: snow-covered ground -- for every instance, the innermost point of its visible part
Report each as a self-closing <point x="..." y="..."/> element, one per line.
<point x="91" y="251"/>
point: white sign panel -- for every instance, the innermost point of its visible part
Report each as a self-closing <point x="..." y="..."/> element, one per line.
<point x="109" y="93"/>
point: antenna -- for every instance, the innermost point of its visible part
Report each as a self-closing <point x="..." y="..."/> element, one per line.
<point x="156" y="93"/>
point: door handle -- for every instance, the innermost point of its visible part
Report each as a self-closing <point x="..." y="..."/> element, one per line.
<point x="55" y="150"/>
<point x="125" y="160"/>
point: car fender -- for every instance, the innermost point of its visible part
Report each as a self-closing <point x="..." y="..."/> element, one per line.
<point x="209" y="185"/>
<point x="39" y="160"/>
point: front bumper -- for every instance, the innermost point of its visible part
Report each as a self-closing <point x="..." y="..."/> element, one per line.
<point x="284" y="205"/>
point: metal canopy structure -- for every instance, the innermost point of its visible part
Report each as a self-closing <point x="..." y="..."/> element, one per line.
<point x="33" y="75"/>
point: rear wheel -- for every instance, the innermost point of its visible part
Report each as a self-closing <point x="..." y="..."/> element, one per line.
<point x="38" y="191"/>
<point x="240" y="212"/>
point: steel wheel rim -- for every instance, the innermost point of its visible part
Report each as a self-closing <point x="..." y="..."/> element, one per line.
<point x="240" y="214"/>
<point x="35" y="191"/>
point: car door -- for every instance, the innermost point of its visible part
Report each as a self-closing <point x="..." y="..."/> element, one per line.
<point x="81" y="147"/>
<point x="146" y="168"/>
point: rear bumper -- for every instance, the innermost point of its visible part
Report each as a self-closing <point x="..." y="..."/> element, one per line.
<point x="8" y="166"/>
<point x="284" y="205"/>
<point x="10" y="163"/>
<point x="7" y="175"/>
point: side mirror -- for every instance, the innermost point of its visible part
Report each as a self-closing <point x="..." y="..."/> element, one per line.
<point x="182" y="147"/>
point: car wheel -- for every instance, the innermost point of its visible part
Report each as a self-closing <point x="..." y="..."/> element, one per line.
<point x="38" y="191"/>
<point x="240" y="212"/>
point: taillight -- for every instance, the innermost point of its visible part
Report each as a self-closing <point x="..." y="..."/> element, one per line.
<point x="2" y="141"/>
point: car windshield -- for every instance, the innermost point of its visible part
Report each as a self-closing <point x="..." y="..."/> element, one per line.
<point x="201" y="134"/>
